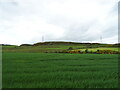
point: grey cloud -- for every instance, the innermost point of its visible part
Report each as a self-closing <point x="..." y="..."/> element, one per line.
<point x="75" y="26"/>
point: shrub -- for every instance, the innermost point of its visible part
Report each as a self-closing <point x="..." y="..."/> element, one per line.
<point x="64" y="51"/>
<point x="107" y="52"/>
<point x="74" y="51"/>
<point x="90" y="52"/>
<point x="70" y="48"/>
<point x="86" y="51"/>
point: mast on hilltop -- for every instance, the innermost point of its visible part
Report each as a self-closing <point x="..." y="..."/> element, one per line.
<point x="42" y="38"/>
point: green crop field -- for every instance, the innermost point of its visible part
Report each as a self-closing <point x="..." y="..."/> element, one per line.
<point x="53" y="48"/>
<point x="40" y="49"/>
<point x="42" y="66"/>
<point x="101" y="48"/>
<point x="54" y="70"/>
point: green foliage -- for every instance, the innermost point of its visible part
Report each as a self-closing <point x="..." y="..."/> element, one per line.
<point x="107" y="52"/>
<point x="46" y="70"/>
<point x="59" y="49"/>
<point x="70" y="48"/>
<point x="86" y="51"/>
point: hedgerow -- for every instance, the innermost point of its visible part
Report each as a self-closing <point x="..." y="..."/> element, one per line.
<point x="91" y="52"/>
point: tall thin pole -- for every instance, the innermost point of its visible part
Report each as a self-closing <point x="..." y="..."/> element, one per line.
<point x="42" y="38"/>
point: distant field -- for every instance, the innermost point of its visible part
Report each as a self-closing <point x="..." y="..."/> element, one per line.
<point x="49" y="70"/>
<point x="101" y="48"/>
<point x="53" y="48"/>
<point x="41" y="49"/>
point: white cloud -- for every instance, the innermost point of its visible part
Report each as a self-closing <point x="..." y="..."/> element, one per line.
<point x="25" y="21"/>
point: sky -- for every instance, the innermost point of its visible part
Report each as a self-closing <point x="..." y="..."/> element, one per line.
<point x="26" y="21"/>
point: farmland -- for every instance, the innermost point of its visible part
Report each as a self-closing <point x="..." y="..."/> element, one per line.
<point x="32" y="67"/>
<point x="51" y="48"/>
<point x="37" y="70"/>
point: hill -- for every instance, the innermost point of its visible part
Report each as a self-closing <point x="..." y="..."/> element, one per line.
<point x="63" y="43"/>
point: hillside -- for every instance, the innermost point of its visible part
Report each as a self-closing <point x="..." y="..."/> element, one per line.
<point x="63" y="43"/>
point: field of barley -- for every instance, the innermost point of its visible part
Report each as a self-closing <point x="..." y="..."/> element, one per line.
<point x="53" y="70"/>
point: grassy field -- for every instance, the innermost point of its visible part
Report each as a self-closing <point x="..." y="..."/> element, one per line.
<point x="50" y="70"/>
<point x="52" y="48"/>
<point x="101" y="48"/>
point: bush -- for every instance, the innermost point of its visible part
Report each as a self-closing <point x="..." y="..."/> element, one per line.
<point x="70" y="48"/>
<point x="71" y="51"/>
<point x="90" y="52"/>
<point x="107" y="52"/>
<point x="74" y="51"/>
<point x="86" y="51"/>
<point x="64" y="51"/>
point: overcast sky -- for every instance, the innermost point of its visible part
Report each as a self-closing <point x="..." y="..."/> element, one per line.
<point x="26" y="21"/>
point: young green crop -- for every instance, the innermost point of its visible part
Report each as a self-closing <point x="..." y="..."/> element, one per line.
<point x="45" y="70"/>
